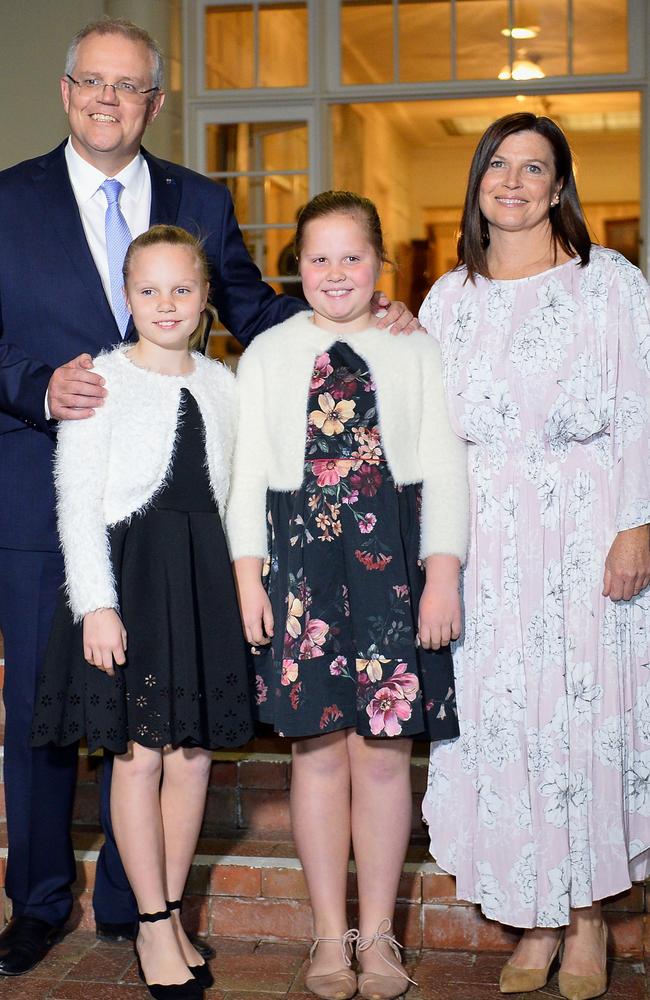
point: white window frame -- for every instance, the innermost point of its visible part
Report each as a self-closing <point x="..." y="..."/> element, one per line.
<point x="313" y="103"/>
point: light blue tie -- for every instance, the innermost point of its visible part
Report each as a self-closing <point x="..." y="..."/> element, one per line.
<point x="118" y="237"/>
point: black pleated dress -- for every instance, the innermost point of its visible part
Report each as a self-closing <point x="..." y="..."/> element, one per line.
<point x="345" y="582"/>
<point x="185" y="680"/>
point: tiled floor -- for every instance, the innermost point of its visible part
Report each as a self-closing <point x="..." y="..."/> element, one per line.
<point x="80" y="968"/>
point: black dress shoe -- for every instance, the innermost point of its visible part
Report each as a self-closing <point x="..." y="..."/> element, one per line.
<point x="200" y="944"/>
<point x="115" y="933"/>
<point x="24" y="943"/>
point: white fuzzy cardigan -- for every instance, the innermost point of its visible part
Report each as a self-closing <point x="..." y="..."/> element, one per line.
<point x="112" y="464"/>
<point x="274" y="376"/>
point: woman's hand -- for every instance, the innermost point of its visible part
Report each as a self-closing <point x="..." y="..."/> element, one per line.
<point x="254" y="603"/>
<point x="104" y="639"/>
<point x="395" y="315"/>
<point x="627" y="567"/>
<point x="439" y="618"/>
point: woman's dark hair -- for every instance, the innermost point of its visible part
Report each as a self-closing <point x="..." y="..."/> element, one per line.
<point x="177" y="237"/>
<point x="568" y="225"/>
<point x="332" y="202"/>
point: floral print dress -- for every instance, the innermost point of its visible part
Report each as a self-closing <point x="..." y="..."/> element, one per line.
<point x="345" y="581"/>
<point x="544" y="802"/>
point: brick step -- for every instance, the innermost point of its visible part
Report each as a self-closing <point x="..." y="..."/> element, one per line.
<point x="253" y="888"/>
<point x="248" y="790"/>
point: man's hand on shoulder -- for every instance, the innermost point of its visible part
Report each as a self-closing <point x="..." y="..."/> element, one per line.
<point x="395" y="315"/>
<point x="74" y="390"/>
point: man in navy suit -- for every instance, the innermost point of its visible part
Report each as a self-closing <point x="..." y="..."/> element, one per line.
<point x="56" y="312"/>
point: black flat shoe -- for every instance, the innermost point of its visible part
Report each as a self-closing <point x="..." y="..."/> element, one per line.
<point x="189" y="990"/>
<point x="199" y="944"/>
<point x="202" y="974"/>
<point x="115" y="933"/>
<point x="24" y="943"/>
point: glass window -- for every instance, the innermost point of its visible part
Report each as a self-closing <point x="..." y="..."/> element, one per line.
<point x="367" y="41"/>
<point x="265" y="167"/>
<point x="424" y="40"/>
<point x="488" y="44"/>
<point x="600" y="37"/>
<point x="229" y="47"/>
<point x="256" y="45"/>
<point x="283" y="45"/>
<point x="482" y="50"/>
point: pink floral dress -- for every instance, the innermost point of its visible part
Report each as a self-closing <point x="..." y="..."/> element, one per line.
<point x="345" y="579"/>
<point x="543" y="804"/>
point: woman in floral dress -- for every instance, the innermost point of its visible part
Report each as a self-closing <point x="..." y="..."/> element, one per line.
<point x="546" y="353"/>
<point x="347" y="475"/>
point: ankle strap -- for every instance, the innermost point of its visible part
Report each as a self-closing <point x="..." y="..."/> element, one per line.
<point x="346" y="941"/>
<point x="174" y="904"/>
<point x="363" y="943"/>
<point x="150" y="918"/>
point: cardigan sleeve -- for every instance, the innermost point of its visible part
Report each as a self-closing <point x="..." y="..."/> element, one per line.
<point x="246" y="514"/>
<point x="444" y="527"/>
<point x="80" y="469"/>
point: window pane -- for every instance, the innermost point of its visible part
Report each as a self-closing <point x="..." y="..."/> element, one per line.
<point x="258" y="151"/>
<point x="424" y="40"/>
<point x="283" y="45"/>
<point x="229" y="48"/>
<point x="600" y="36"/>
<point x="482" y="51"/>
<point x="546" y="47"/>
<point x="366" y="41"/>
<point x="269" y="146"/>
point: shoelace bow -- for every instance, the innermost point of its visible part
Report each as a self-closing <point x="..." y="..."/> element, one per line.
<point x="347" y="942"/>
<point x="363" y="943"/>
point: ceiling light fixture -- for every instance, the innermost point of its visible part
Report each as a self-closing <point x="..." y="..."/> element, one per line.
<point x="530" y="32"/>
<point x="522" y="69"/>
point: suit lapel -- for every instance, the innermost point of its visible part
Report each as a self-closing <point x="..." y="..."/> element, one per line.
<point x="52" y="184"/>
<point x="165" y="191"/>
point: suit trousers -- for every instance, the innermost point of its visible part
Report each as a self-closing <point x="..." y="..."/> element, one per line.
<point x="40" y="782"/>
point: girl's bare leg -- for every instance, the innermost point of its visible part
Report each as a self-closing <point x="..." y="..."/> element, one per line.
<point x="186" y="773"/>
<point x="381" y="830"/>
<point x="320" y="818"/>
<point x="137" y="822"/>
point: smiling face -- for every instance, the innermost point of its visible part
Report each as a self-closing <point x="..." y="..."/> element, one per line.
<point x="339" y="269"/>
<point x="106" y="129"/>
<point x="519" y="186"/>
<point x="166" y="293"/>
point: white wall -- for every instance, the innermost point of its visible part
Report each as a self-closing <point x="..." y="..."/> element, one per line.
<point x="34" y="36"/>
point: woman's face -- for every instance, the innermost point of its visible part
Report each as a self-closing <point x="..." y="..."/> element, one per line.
<point x="519" y="185"/>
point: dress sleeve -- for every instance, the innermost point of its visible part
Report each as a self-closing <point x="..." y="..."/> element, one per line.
<point x="443" y="456"/>
<point x="430" y="315"/>
<point x="246" y="514"/>
<point x="630" y="357"/>
<point x="80" y="470"/>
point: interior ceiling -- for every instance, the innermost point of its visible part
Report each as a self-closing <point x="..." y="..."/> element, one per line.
<point x="429" y="122"/>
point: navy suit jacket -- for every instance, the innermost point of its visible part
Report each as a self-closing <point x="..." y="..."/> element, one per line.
<point x="53" y="307"/>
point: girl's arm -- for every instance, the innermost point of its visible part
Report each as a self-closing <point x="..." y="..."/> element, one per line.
<point x="439" y="618"/>
<point x="254" y="603"/>
<point x="444" y="523"/>
<point x="104" y="639"/>
<point x="80" y="470"/>
<point x="246" y="513"/>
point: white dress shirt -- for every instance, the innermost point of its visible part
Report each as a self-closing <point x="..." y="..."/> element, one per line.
<point x="135" y="203"/>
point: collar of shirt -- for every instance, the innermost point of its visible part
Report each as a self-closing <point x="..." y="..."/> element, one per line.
<point x="86" y="179"/>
